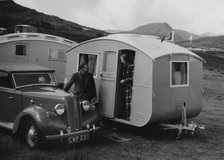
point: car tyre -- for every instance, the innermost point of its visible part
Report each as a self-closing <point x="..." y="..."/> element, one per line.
<point x="33" y="136"/>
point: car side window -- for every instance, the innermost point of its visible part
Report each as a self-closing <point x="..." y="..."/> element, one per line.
<point x="5" y="80"/>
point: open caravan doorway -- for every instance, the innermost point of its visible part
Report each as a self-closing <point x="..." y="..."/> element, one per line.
<point x="125" y="72"/>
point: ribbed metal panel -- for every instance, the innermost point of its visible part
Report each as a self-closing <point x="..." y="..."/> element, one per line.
<point x="77" y="113"/>
<point x="74" y="114"/>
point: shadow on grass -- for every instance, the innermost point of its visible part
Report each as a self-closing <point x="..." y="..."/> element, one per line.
<point x="9" y="143"/>
<point x="113" y="137"/>
<point x="96" y="139"/>
<point x="150" y="132"/>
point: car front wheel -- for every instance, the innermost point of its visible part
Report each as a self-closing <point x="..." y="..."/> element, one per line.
<point x="33" y="135"/>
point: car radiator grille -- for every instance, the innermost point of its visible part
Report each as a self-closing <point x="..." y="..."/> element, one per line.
<point x="74" y="114"/>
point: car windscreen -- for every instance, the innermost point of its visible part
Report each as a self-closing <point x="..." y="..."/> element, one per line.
<point x="24" y="79"/>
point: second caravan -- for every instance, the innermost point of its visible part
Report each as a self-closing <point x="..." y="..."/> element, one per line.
<point x="27" y="46"/>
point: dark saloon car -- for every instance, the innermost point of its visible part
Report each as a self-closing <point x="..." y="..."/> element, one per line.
<point x="32" y="104"/>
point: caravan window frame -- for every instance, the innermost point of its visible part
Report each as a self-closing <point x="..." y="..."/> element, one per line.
<point x="26" y="49"/>
<point x="96" y="65"/>
<point x="51" y="55"/>
<point x="171" y="75"/>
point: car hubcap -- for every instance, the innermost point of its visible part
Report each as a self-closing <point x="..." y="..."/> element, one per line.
<point x="32" y="136"/>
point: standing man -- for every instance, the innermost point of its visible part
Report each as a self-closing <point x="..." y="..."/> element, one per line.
<point x="85" y="88"/>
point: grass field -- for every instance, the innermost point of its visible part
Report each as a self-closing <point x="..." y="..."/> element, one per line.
<point x="128" y="143"/>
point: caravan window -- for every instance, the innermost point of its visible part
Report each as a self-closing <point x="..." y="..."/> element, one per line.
<point x="57" y="54"/>
<point x="21" y="50"/>
<point x="91" y="60"/>
<point x="179" y="74"/>
<point x="109" y="60"/>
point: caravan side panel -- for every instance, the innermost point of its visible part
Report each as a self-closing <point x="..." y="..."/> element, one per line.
<point x="169" y="100"/>
<point x="141" y="109"/>
<point x="37" y="52"/>
<point x="49" y="54"/>
<point x="7" y="52"/>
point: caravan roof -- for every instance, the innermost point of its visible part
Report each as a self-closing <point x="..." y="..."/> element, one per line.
<point x="23" y="67"/>
<point x="150" y="45"/>
<point x="35" y="37"/>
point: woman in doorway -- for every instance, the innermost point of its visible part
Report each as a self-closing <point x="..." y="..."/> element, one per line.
<point x="126" y="81"/>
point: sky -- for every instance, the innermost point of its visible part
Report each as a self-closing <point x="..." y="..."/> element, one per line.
<point x="195" y="16"/>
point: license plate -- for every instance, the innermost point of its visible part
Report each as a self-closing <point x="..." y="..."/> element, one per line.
<point x="78" y="138"/>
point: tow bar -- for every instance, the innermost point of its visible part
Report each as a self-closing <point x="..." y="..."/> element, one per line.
<point x="183" y="127"/>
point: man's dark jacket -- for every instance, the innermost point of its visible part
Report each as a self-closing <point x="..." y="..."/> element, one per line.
<point x="85" y="88"/>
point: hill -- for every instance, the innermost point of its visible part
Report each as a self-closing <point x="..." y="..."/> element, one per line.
<point x="160" y="30"/>
<point x="208" y="34"/>
<point x="181" y="37"/>
<point x="12" y="14"/>
<point x="206" y="42"/>
<point x="185" y="35"/>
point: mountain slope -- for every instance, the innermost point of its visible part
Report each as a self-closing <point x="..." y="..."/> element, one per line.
<point x="185" y="35"/>
<point x="157" y="29"/>
<point x="206" y="42"/>
<point x="208" y="34"/>
<point x="181" y="37"/>
<point x="12" y="14"/>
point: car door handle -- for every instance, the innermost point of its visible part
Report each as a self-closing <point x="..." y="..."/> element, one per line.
<point x="12" y="98"/>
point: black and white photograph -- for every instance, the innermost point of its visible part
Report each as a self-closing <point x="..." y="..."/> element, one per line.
<point x="111" y="80"/>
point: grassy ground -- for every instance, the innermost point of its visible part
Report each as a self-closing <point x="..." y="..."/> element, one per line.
<point x="124" y="143"/>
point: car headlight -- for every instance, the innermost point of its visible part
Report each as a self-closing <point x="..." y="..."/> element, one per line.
<point x="86" y="105"/>
<point x="59" y="109"/>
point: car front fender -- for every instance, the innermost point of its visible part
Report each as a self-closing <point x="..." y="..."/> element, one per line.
<point x="47" y="124"/>
<point x="37" y="113"/>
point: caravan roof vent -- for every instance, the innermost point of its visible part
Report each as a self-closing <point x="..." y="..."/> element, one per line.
<point x="67" y="41"/>
<point x="25" y="28"/>
<point x="13" y="37"/>
<point x="32" y="36"/>
<point x="3" y="31"/>
<point x="51" y="38"/>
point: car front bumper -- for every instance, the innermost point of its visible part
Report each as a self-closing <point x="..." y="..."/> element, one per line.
<point x="73" y="137"/>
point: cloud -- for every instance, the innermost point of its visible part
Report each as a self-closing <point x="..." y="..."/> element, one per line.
<point x="195" y="16"/>
<point x="113" y="14"/>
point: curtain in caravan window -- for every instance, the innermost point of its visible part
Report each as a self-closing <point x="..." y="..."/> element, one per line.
<point x="109" y="60"/>
<point x="57" y="54"/>
<point x="92" y="64"/>
<point x="179" y="73"/>
<point x="90" y="60"/>
<point x="83" y="58"/>
<point x="183" y="67"/>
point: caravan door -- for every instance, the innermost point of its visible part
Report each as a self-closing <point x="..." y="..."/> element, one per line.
<point x="107" y="85"/>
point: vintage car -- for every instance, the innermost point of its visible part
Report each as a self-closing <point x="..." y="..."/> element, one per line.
<point x="33" y="106"/>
